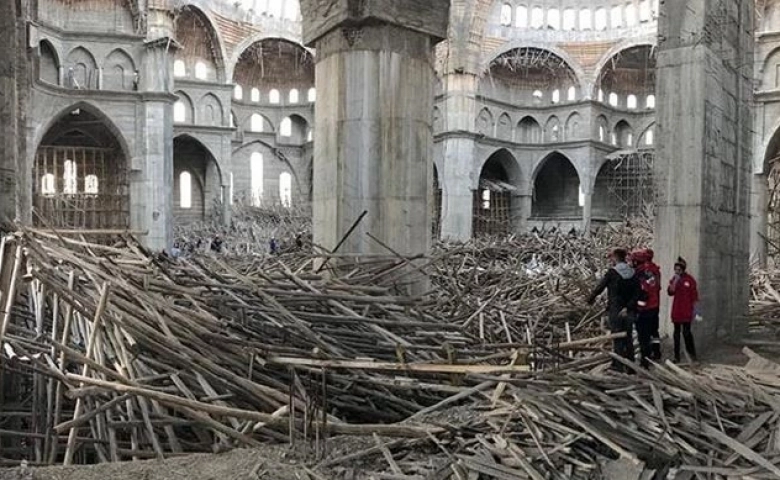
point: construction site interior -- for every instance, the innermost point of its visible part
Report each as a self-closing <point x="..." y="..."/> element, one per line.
<point x="337" y="239"/>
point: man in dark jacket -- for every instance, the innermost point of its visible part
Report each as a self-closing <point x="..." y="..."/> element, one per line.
<point x="623" y="294"/>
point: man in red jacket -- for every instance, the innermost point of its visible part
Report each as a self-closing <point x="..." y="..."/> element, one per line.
<point x="686" y="295"/>
<point x="655" y="334"/>
<point x="647" y="318"/>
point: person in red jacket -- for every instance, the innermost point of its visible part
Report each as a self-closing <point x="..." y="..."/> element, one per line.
<point x="654" y="306"/>
<point x="647" y="316"/>
<point x="686" y="295"/>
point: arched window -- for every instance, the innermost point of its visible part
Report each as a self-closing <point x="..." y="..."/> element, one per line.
<point x="538" y="95"/>
<point x="631" y="18"/>
<point x="185" y="190"/>
<point x="285" y="128"/>
<point x="645" y="13"/>
<point x="571" y="95"/>
<point x="256" y="168"/>
<point x="600" y="96"/>
<point x="602" y="133"/>
<point x="537" y="17"/>
<point x="310" y="135"/>
<point x="614" y="138"/>
<point x="285" y="189"/>
<point x="294" y="96"/>
<point x="556" y="96"/>
<point x="650" y="102"/>
<point x="238" y="92"/>
<point x="179" y="68"/>
<point x="600" y="21"/>
<point x="613" y="99"/>
<point x="569" y="19"/>
<point x="486" y="199"/>
<point x="506" y="15"/>
<point x="649" y="137"/>
<point x="70" y="178"/>
<point x="586" y="19"/>
<point x="200" y="71"/>
<point x="274" y="96"/>
<point x="291" y="10"/>
<point x="255" y="95"/>
<point x="616" y="16"/>
<point x="554" y="19"/>
<point x="91" y="184"/>
<point x="256" y="123"/>
<point x="179" y="112"/>
<point x="233" y="122"/>
<point x="521" y="16"/>
<point x="275" y="8"/>
<point x="631" y="102"/>
<point x="48" y="184"/>
<point x="629" y="140"/>
<point x="231" y="191"/>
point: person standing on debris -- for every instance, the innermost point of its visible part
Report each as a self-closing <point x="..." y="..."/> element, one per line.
<point x="623" y="293"/>
<point x="216" y="244"/>
<point x="648" y="308"/>
<point x="684" y="307"/>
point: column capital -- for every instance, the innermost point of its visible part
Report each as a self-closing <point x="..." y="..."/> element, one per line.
<point x="322" y="16"/>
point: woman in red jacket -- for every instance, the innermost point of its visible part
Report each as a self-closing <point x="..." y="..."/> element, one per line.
<point x="686" y="295"/>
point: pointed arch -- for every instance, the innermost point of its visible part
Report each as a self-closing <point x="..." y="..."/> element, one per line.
<point x="48" y="63"/>
<point x="183" y="110"/>
<point x="504" y="127"/>
<point x="573" y="126"/>
<point x="557" y="187"/>
<point x="211" y="111"/>
<point x="484" y="122"/>
<point x="81" y="69"/>
<point x="552" y="130"/>
<point x="628" y="69"/>
<point x="119" y="71"/>
<point x="528" y="131"/>
<point x="493" y="196"/>
<point x="201" y="40"/>
<point x="195" y="163"/>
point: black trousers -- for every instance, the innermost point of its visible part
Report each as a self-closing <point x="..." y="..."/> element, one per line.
<point x="623" y="347"/>
<point x="690" y="346"/>
<point x="655" y="335"/>
<point x="646" y="323"/>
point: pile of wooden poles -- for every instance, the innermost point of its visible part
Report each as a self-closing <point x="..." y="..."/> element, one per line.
<point x="113" y="353"/>
<point x="718" y="423"/>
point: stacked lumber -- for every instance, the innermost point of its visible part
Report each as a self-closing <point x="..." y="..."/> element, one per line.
<point x="722" y="422"/>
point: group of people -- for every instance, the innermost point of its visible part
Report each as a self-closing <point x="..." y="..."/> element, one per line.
<point x="185" y="247"/>
<point x="633" y="287"/>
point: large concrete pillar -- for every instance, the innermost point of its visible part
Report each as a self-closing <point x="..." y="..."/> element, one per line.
<point x="703" y="161"/>
<point x="374" y="148"/>
<point x="758" y="219"/>
<point x="151" y="190"/>
<point x="9" y="124"/>
<point x="460" y="112"/>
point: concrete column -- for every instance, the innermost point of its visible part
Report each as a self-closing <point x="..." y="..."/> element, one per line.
<point x="374" y="148"/>
<point x="459" y="110"/>
<point x="587" y="212"/>
<point x="151" y="186"/>
<point x="9" y="125"/>
<point x="703" y="161"/>
<point x="758" y="219"/>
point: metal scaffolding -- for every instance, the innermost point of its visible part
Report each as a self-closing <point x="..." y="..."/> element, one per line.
<point x="630" y="182"/>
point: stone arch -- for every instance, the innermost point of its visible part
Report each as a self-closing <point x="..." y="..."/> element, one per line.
<point x="624" y="134"/>
<point x="627" y="69"/>
<point x="192" y="155"/>
<point x="574" y="126"/>
<point x="201" y="40"/>
<point x="528" y="131"/>
<point x="119" y="71"/>
<point x="81" y="69"/>
<point x="552" y="130"/>
<point x="48" y="63"/>
<point x="643" y="141"/>
<point x="603" y="131"/>
<point x="493" y="197"/>
<point x="299" y="129"/>
<point x="258" y="37"/>
<point x="556" y="188"/>
<point x="189" y="108"/>
<point x="484" y="122"/>
<point x="268" y="126"/>
<point x="504" y="127"/>
<point x="518" y="44"/>
<point x="273" y="165"/>
<point x="274" y="64"/>
<point x="770" y="71"/>
<point x="210" y="111"/>
<point x="80" y="172"/>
